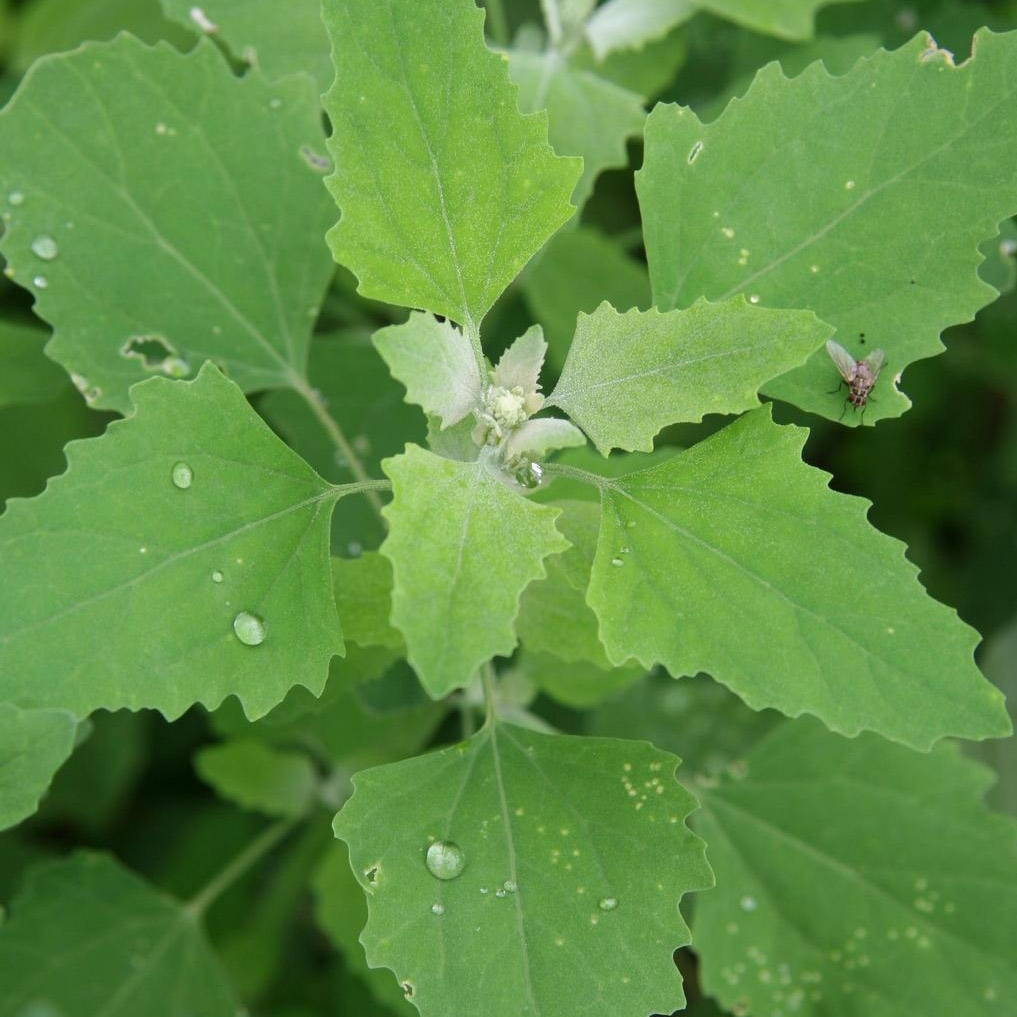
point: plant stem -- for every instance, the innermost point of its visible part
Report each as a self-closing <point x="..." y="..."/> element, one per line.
<point x="473" y="334"/>
<point x="238" y="866"/>
<point x="583" y="476"/>
<point x="497" y="23"/>
<point x="361" y="487"/>
<point x="335" y="433"/>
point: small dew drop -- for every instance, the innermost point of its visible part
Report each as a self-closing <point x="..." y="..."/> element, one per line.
<point x="483" y="889"/>
<point x="182" y="476"/>
<point x="617" y="562"/>
<point x="355" y="549"/>
<point x="608" y="904"/>
<point x="748" y="903"/>
<point x="274" y="103"/>
<point x="437" y="909"/>
<point x="849" y="185"/>
<point x="728" y="232"/>
<point x="45" y="247"/>
<point x="249" y="628"/>
<point x="217" y="576"/>
<point x="499" y="892"/>
<point x="40" y="282"/>
<point x="1008" y="248"/>
<point x="510" y="885"/>
<point x="754" y="299"/>
<point x="445" y="859"/>
<point x="176" y="367"/>
<point x="16" y="198"/>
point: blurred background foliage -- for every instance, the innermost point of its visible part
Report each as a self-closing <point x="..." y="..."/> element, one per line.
<point x="943" y="479"/>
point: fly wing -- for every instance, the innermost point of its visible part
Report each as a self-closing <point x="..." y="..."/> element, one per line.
<point x="843" y="361"/>
<point x="875" y="361"/>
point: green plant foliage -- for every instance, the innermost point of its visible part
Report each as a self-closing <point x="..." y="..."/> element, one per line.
<point x="105" y="204"/>
<point x="28" y="376"/>
<point x="89" y="938"/>
<point x="33" y="745"/>
<point x="587" y="115"/>
<point x="421" y="226"/>
<point x="550" y="873"/>
<point x="258" y="777"/>
<point x="908" y="143"/>
<point x="683" y="578"/>
<point x="457" y="583"/>
<point x="181" y="519"/>
<point x="916" y="881"/>
<point x="278" y="38"/>
<point x="629" y="375"/>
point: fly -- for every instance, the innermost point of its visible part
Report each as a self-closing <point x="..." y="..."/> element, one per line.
<point x="859" y="375"/>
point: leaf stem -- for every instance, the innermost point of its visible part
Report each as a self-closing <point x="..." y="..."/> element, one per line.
<point x="317" y="406"/>
<point x="583" y="476"/>
<point x="497" y="23"/>
<point x="473" y="334"/>
<point x="238" y="866"/>
<point x="361" y="487"/>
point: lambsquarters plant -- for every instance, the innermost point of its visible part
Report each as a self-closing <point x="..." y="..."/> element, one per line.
<point x="176" y="226"/>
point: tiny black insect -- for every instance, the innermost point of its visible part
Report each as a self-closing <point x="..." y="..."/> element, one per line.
<point x="859" y="375"/>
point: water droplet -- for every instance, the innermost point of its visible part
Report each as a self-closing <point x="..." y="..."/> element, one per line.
<point x="499" y="892"/>
<point x="748" y="903"/>
<point x="437" y="909"/>
<point x="16" y="198"/>
<point x="511" y="885"/>
<point x="40" y="282"/>
<point x="274" y="103"/>
<point x="182" y="476"/>
<point x="355" y="548"/>
<point x="754" y="299"/>
<point x="45" y="247"/>
<point x="249" y="628"/>
<point x="176" y="367"/>
<point x="445" y="859"/>
<point x="617" y="562"/>
<point x="483" y="889"/>
<point x="217" y="576"/>
<point x="728" y="232"/>
<point x="608" y="904"/>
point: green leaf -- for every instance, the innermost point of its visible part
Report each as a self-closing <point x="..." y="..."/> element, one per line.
<point x="436" y="363"/>
<point x="165" y="215"/>
<point x="368" y="407"/>
<point x="278" y="38"/>
<point x="735" y="558"/>
<point x="579" y="269"/>
<point x="578" y="684"/>
<point x="463" y="546"/>
<point x="363" y="595"/>
<point x="33" y="746"/>
<point x="138" y="582"/>
<point x="26" y="374"/>
<point x="446" y="191"/>
<point x="255" y="776"/>
<point x="629" y="375"/>
<point x="900" y="169"/>
<point x="786" y="19"/>
<point x="86" y="937"/>
<point x="587" y="115"/>
<point x="576" y="855"/>
<point x="553" y="614"/>
<point x="52" y="26"/>
<point x="341" y="910"/>
<point x="631" y="24"/>
<point x="857" y="877"/>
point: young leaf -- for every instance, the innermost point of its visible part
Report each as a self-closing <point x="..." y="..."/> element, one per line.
<point x="256" y="776"/>
<point x="463" y="546"/>
<point x="436" y="363"/>
<point x="87" y="937"/>
<point x="33" y="746"/>
<point x="735" y="558"/>
<point x="182" y="557"/>
<point x="786" y="19"/>
<point x="165" y="215"/>
<point x="900" y="169"/>
<point x="571" y="855"/>
<point x="279" y="39"/>
<point x="631" y="24"/>
<point x="629" y="375"/>
<point x="445" y="189"/>
<point x="27" y="375"/>
<point x="857" y="877"/>
<point x="587" y="116"/>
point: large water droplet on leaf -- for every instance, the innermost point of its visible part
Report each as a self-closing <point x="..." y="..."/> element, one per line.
<point x="445" y="859"/>
<point x="182" y="476"/>
<point x="45" y="247"/>
<point x="249" y="628"/>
